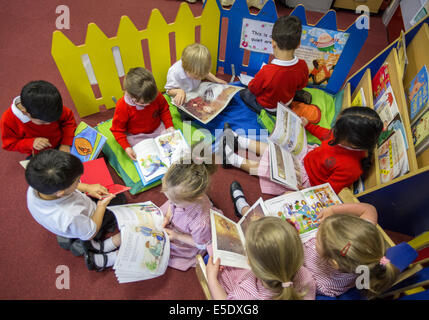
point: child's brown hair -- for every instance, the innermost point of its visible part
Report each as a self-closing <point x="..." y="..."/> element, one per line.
<point x="196" y="60"/>
<point x="275" y="255"/>
<point x="351" y="241"/>
<point x="140" y="84"/>
<point x="287" y="32"/>
<point x="189" y="179"/>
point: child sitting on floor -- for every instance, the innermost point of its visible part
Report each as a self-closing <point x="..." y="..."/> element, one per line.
<point x="279" y="80"/>
<point x="186" y="74"/>
<point x="37" y="120"/>
<point x="56" y="200"/>
<point x="187" y="211"/>
<point x="275" y="256"/>
<point x="347" y="238"/>
<point x="344" y="155"/>
<point x="141" y="113"/>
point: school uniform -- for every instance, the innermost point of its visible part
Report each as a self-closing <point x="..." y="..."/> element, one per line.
<point x="178" y="79"/>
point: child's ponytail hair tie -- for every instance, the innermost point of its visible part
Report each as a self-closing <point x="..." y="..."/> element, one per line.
<point x="287" y="284"/>
<point x="384" y="261"/>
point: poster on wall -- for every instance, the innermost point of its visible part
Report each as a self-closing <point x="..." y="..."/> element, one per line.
<point x="319" y="48"/>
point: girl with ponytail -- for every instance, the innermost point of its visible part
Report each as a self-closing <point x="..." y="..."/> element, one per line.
<point x="187" y="211"/>
<point x="346" y="239"/>
<point x="275" y="256"/>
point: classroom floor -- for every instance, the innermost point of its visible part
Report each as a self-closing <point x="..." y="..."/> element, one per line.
<point x="30" y="254"/>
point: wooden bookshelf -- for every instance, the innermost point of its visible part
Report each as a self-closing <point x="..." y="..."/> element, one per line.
<point x="347" y="101"/>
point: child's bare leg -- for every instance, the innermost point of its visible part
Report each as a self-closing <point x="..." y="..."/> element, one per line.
<point x="250" y="166"/>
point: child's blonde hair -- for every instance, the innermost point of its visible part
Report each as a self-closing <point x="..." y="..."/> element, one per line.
<point x="189" y="179"/>
<point x="196" y="60"/>
<point x="140" y="84"/>
<point x="275" y="255"/>
<point x="351" y="241"/>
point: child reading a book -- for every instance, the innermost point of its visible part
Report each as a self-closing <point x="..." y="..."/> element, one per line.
<point x="343" y="156"/>
<point x="141" y="113"/>
<point x="187" y="73"/>
<point x="347" y="238"/>
<point x="275" y="255"/>
<point x="56" y="199"/>
<point x="37" y="120"/>
<point x="187" y="211"/>
<point x="279" y="80"/>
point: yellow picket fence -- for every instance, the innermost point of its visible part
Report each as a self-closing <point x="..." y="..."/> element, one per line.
<point x="98" y="48"/>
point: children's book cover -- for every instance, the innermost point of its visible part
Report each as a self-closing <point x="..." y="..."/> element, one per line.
<point x="87" y="143"/>
<point x="418" y="94"/>
<point x="359" y="99"/>
<point x="321" y="50"/>
<point x="380" y="82"/>
<point x="392" y="158"/>
<point x="420" y="132"/>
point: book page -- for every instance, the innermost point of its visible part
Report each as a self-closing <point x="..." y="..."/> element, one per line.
<point x="149" y="163"/>
<point x="172" y="146"/>
<point x="392" y="158"/>
<point x="256" y="211"/>
<point x="228" y="241"/>
<point x="205" y="103"/>
<point x="386" y="106"/>
<point x="143" y="213"/>
<point x="289" y="132"/>
<point x="282" y="166"/>
<point x="87" y="143"/>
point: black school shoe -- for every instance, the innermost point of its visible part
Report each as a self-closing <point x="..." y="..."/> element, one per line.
<point x="90" y="262"/>
<point x="236" y="186"/>
<point x="303" y="96"/>
<point x="228" y="132"/>
<point x="64" y="242"/>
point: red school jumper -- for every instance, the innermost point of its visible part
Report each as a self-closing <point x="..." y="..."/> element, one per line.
<point x="278" y="81"/>
<point x="127" y="119"/>
<point x="337" y="165"/>
<point x="19" y="136"/>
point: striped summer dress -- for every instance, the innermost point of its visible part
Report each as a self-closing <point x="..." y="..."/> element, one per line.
<point x="329" y="281"/>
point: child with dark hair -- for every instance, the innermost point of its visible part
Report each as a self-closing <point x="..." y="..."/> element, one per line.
<point x="56" y="199"/>
<point x="343" y="156"/>
<point x="279" y="80"/>
<point x="141" y="113"/>
<point x="37" y="120"/>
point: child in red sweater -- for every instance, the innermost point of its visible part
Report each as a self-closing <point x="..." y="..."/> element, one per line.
<point x="37" y="120"/>
<point x="279" y="80"/>
<point x="343" y="156"/>
<point x="141" y="113"/>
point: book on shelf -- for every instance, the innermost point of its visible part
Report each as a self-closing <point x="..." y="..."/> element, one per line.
<point x="155" y="155"/>
<point x="401" y="48"/>
<point x="228" y="237"/>
<point x="392" y="157"/>
<point x="208" y="100"/>
<point x="380" y="82"/>
<point x="300" y="208"/>
<point x="417" y="95"/>
<point x="420" y="133"/>
<point x="359" y="99"/>
<point x="287" y="144"/>
<point x="96" y="171"/>
<point x="145" y="248"/>
<point x="87" y="143"/>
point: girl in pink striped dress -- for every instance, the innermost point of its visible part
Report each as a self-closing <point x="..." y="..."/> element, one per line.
<point x="347" y="238"/>
<point x="275" y="256"/>
<point x="187" y="212"/>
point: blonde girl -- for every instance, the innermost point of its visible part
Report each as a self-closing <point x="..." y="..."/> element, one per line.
<point x="275" y="256"/>
<point x="348" y="238"/>
<point x="187" y="211"/>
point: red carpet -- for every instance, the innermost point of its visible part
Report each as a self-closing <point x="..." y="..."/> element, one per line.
<point x="29" y="253"/>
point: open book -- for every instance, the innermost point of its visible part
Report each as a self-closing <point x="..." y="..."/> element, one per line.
<point x="287" y="144"/>
<point x="228" y="236"/>
<point x="392" y="157"/>
<point x="145" y="248"/>
<point x="302" y="207"/>
<point x="155" y="155"/>
<point x="87" y="143"/>
<point x="208" y="100"/>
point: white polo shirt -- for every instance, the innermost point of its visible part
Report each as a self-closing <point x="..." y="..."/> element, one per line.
<point x="68" y="216"/>
<point x="177" y="78"/>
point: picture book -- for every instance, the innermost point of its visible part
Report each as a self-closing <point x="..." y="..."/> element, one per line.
<point x="208" y="100"/>
<point x="401" y="48"/>
<point x="87" y="143"/>
<point x="380" y="82"/>
<point x="418" y="95"/>
<point x="392" y="157"/>
<point x="282" y="166"/>
<point x="302" y="207"/>
<point x="420" y="132"/>
<point x="388" y="110"/>
<point x="145" y="248"/>
<point x="395" y="125"/>
<point x="155" y="155"/>
<point x="359" y="99"/>
<point x="228" y="237"/>
<point x="96" y="171"/>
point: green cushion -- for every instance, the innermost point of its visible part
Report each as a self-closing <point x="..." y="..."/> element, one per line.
<point x="120" y="161"/>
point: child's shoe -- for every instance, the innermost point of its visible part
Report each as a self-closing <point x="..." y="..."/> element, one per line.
<point x="78" y="248"/>
<point x="303" y="96"/>
<point x="90" y="262"/>
<point x="65" y="243"/>
<point x="237" y="196"/>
